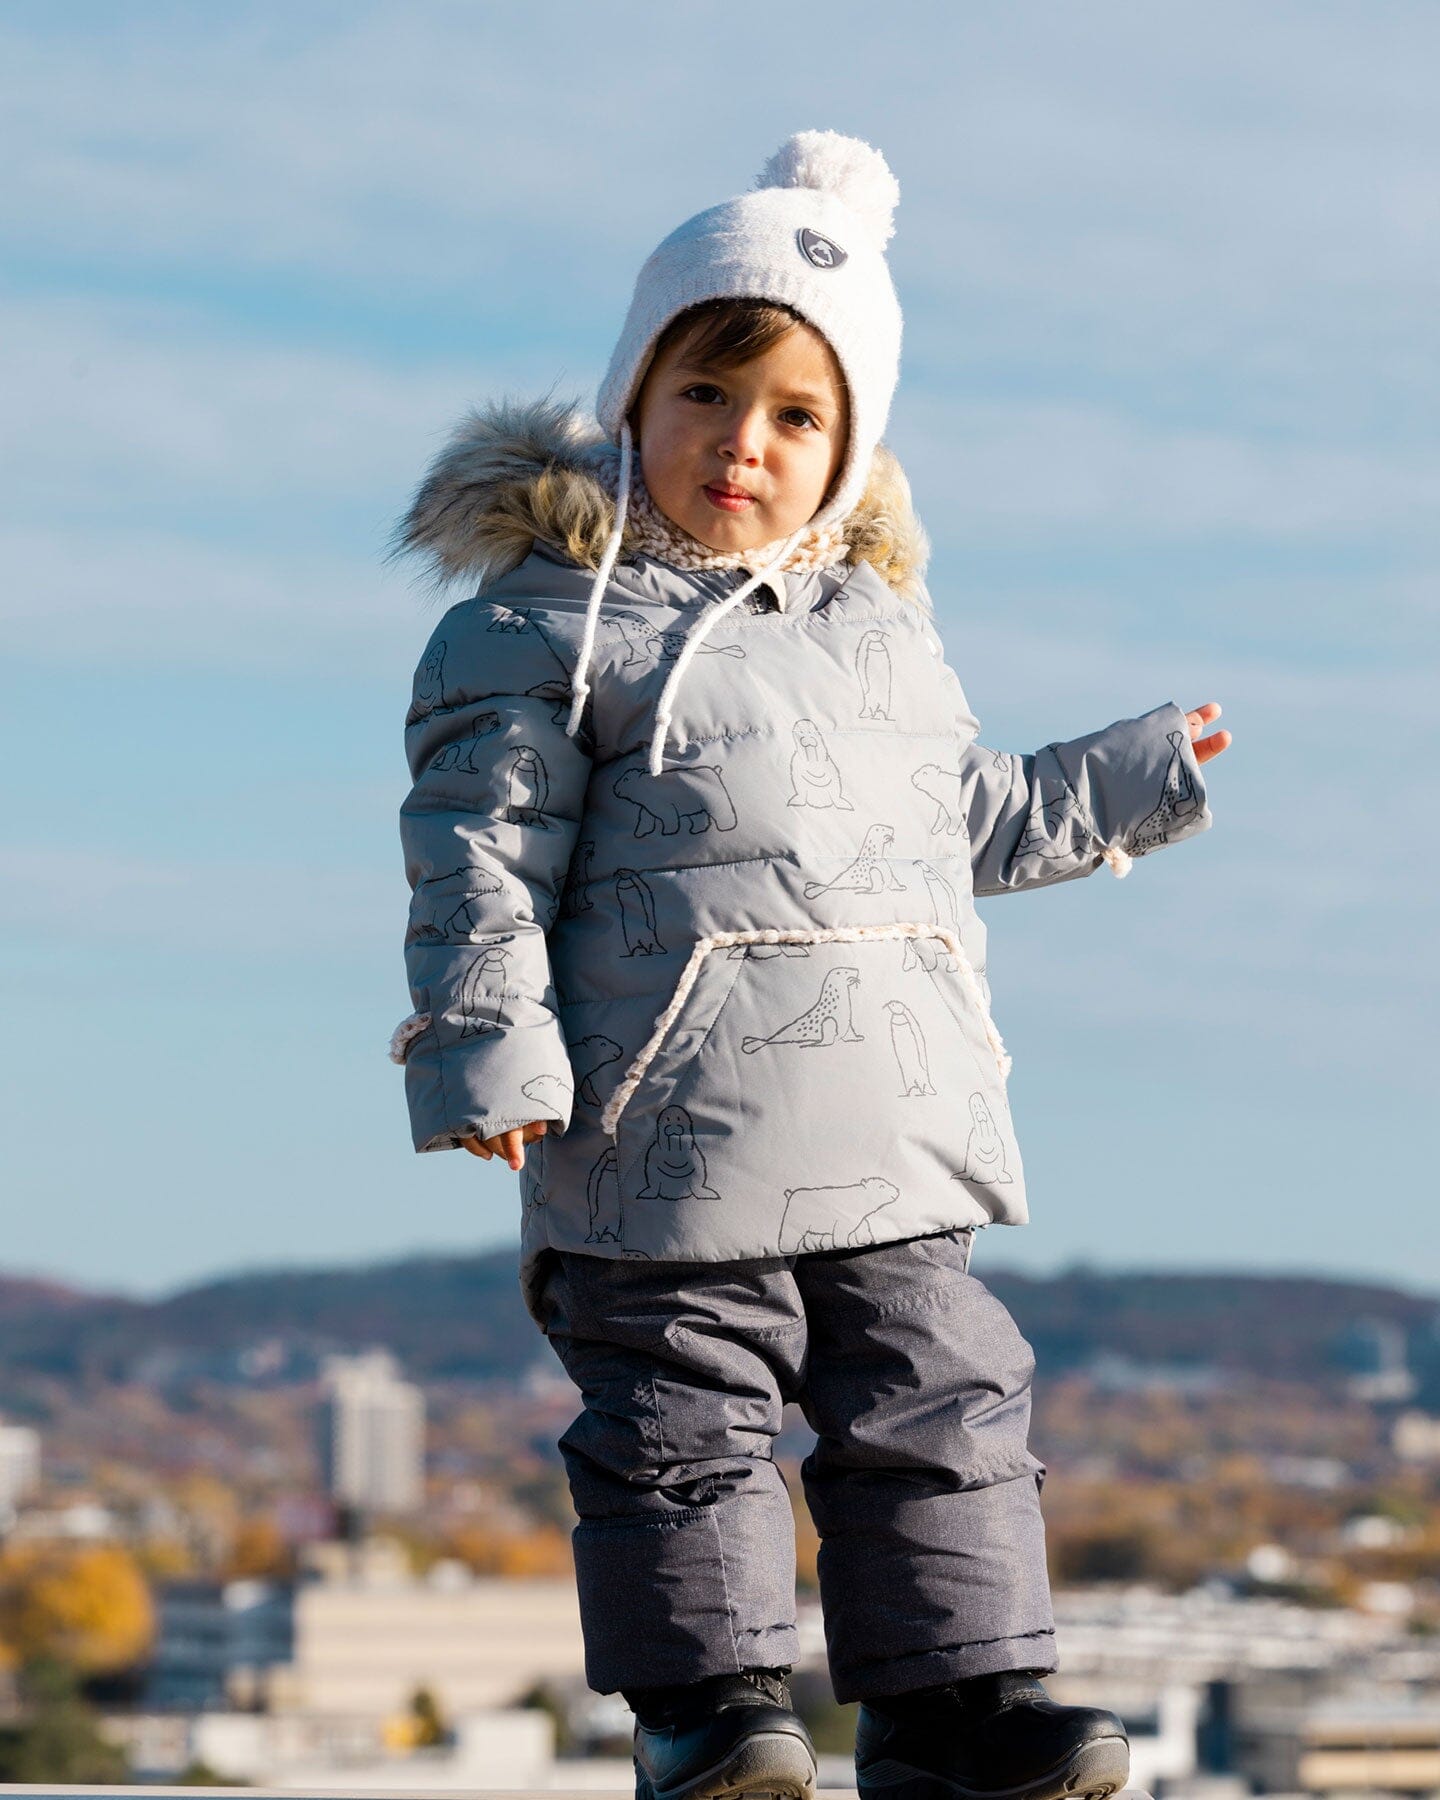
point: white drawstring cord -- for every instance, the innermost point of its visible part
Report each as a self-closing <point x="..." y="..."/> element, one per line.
<point x="692" y="641"/>
<point x="581" y="686"/>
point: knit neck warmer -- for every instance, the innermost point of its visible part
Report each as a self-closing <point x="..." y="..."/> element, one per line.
<point x="658" y="535"/>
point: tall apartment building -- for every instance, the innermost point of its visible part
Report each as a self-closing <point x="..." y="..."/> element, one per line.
<point x="19" y="1467"/>
<point x="372" y="1434"/>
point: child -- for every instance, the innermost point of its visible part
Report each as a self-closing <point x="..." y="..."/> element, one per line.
<point x="698" y="818"/>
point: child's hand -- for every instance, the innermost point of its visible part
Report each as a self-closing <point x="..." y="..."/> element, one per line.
<point x="507" y="1143"/>
<point x="1202" y="716"/>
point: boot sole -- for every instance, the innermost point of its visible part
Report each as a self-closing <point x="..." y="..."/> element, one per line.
<point x="771" y="1765"/>
<point x="1095" y="1772"/>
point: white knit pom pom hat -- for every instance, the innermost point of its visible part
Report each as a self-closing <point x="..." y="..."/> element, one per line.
<point x="811" y="233"/>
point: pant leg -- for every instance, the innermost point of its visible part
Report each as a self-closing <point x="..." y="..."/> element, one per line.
<point x="685" y="1547"/>
<point x="922" y="1488"/>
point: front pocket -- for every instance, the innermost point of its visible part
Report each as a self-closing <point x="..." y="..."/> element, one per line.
<point x="807" y="1089"/>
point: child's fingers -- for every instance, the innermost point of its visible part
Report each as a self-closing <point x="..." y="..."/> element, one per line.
<point x="509" y="1144"/>
<point x="1201" y="716"/>
<point x="1205" y="748"/>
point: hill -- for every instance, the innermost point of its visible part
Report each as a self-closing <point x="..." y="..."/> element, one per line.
<point x="461" y="1318"/>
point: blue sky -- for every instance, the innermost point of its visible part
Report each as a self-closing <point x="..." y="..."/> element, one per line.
<point x="1169" y="409"/>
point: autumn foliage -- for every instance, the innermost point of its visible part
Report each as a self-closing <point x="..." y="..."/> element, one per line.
<point x="85" y="1606"/>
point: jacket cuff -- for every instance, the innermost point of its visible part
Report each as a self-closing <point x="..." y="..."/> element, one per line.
<point x="1156" y="791"/>
<point x="482" y="1085"/>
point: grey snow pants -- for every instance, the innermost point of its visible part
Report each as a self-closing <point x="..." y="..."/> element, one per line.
<point x="925" y="1497"/>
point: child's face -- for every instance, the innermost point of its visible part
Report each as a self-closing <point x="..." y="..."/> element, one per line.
<point x="738" y="457"/>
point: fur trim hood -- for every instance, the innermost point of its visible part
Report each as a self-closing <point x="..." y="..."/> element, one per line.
<point x="519" y="473"/>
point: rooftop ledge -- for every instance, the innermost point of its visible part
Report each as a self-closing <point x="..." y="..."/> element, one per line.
<point x="135" y="1792"/>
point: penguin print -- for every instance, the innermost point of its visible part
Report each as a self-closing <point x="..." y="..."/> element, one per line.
<point x="635" y="904"/>
<point x="488" y="971"/>
<point x="943" y="899"/>
<point x="602" y="1194"/>
<point x="814" y="778"/>
<point x="870" y="873"/>
<point x="461" y="754"/>
<point x="828" y="1021"/>
<point x="943" y="787"/>
<point x="1178" y="800"/>
<point x="588" y="1055"/>
<point x="985" y="1150"/>
<point x="873" y="666"/>
<point x="908" y="1042"/>
<point x="674" y="1162"/>
<point x="575" y="898"/>
<point x="825" y="1218"/>
<point x="532" y="1176"/>
<point x="527" y="788"/>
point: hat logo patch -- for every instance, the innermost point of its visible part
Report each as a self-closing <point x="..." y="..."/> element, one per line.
<point x="823" y="252"/>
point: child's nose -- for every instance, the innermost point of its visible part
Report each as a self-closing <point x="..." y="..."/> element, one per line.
<point x="744" y="441"/>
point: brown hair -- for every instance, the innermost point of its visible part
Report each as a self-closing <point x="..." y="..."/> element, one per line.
<point x="728" y="333"/>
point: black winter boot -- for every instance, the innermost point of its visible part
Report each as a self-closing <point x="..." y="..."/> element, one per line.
<point x="992" y="1737"/>
<point x="718" y="1739"/>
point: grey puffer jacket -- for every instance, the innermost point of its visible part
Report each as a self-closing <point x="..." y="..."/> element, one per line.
<point x="748" y="991"/>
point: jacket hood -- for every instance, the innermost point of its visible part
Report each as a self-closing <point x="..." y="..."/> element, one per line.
<point x="515" y="474"/>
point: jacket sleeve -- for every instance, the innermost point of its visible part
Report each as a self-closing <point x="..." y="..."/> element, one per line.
<point x="1110" y="796"/>
<point x="487" y="829"/>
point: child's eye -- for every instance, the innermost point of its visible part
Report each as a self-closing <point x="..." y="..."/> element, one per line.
<point x="704" y="389"/>
<point x="799" y="413"/>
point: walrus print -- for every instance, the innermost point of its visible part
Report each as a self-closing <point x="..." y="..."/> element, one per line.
<point x="814" y="776"/>
<point x="674" y="1162"/>
<point x="985" y="1148"/>
<point x="429" y="695"/>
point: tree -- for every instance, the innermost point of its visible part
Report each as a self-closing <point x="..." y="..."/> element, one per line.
<point x="58" y="1741"/>
<point x="87" y="1607"/>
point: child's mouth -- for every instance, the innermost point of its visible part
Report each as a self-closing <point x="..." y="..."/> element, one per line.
<point x="727" y="502"/>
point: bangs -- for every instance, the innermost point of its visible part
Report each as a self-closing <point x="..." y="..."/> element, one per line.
<point x="725" y="333"/>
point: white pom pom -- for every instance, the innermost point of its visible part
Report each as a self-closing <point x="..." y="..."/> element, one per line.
<point x="847" y="167"/>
